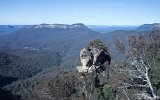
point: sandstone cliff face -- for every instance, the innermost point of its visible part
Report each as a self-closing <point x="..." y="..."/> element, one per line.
<point x="94" y="57"/>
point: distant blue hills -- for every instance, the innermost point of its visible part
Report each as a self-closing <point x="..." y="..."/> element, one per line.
<point x="106" y="28"/>
<point x="7" y="29"/>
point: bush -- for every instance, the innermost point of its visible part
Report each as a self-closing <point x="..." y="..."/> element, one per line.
<point x="98" y="44"/>
<point x="107" y="93"/>
<point x="158" y="92"/>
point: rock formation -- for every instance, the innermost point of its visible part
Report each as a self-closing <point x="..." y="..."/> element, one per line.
<point x="94" y="58"/>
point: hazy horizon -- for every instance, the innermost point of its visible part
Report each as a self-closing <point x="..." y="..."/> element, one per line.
<point x="89" y="12"/>
<point x="105" y="25"/>
<point x="78" y="22"/>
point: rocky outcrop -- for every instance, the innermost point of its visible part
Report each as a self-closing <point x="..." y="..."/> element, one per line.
<point x="94" y="57"/>
<point x="60" y="26"/>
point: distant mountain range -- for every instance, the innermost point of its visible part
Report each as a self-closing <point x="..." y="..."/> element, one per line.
<point x="7" y="29"/>
<point x="58" y="37"/>
<point x="47" y="36"/>
<point x="106" y="28"/>
<point x="146" y="27"/>
<point x="61" y="26"/>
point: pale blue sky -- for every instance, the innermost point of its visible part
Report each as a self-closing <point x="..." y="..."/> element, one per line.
<point x="90" y="12"/>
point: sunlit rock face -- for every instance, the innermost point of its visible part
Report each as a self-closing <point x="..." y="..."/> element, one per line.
<point x="94" y="57"/>
<point x="60" y="26"/>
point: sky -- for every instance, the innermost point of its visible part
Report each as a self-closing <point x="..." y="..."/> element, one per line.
<point x="89" y="12"/>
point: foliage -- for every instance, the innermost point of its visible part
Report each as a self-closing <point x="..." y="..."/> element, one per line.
<point x="158" y="92"/>
<point x="107" y="93"/>
<point x="143" y="72"/>
<point x="98" y="44"/>
<point x="22" y="66"/>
